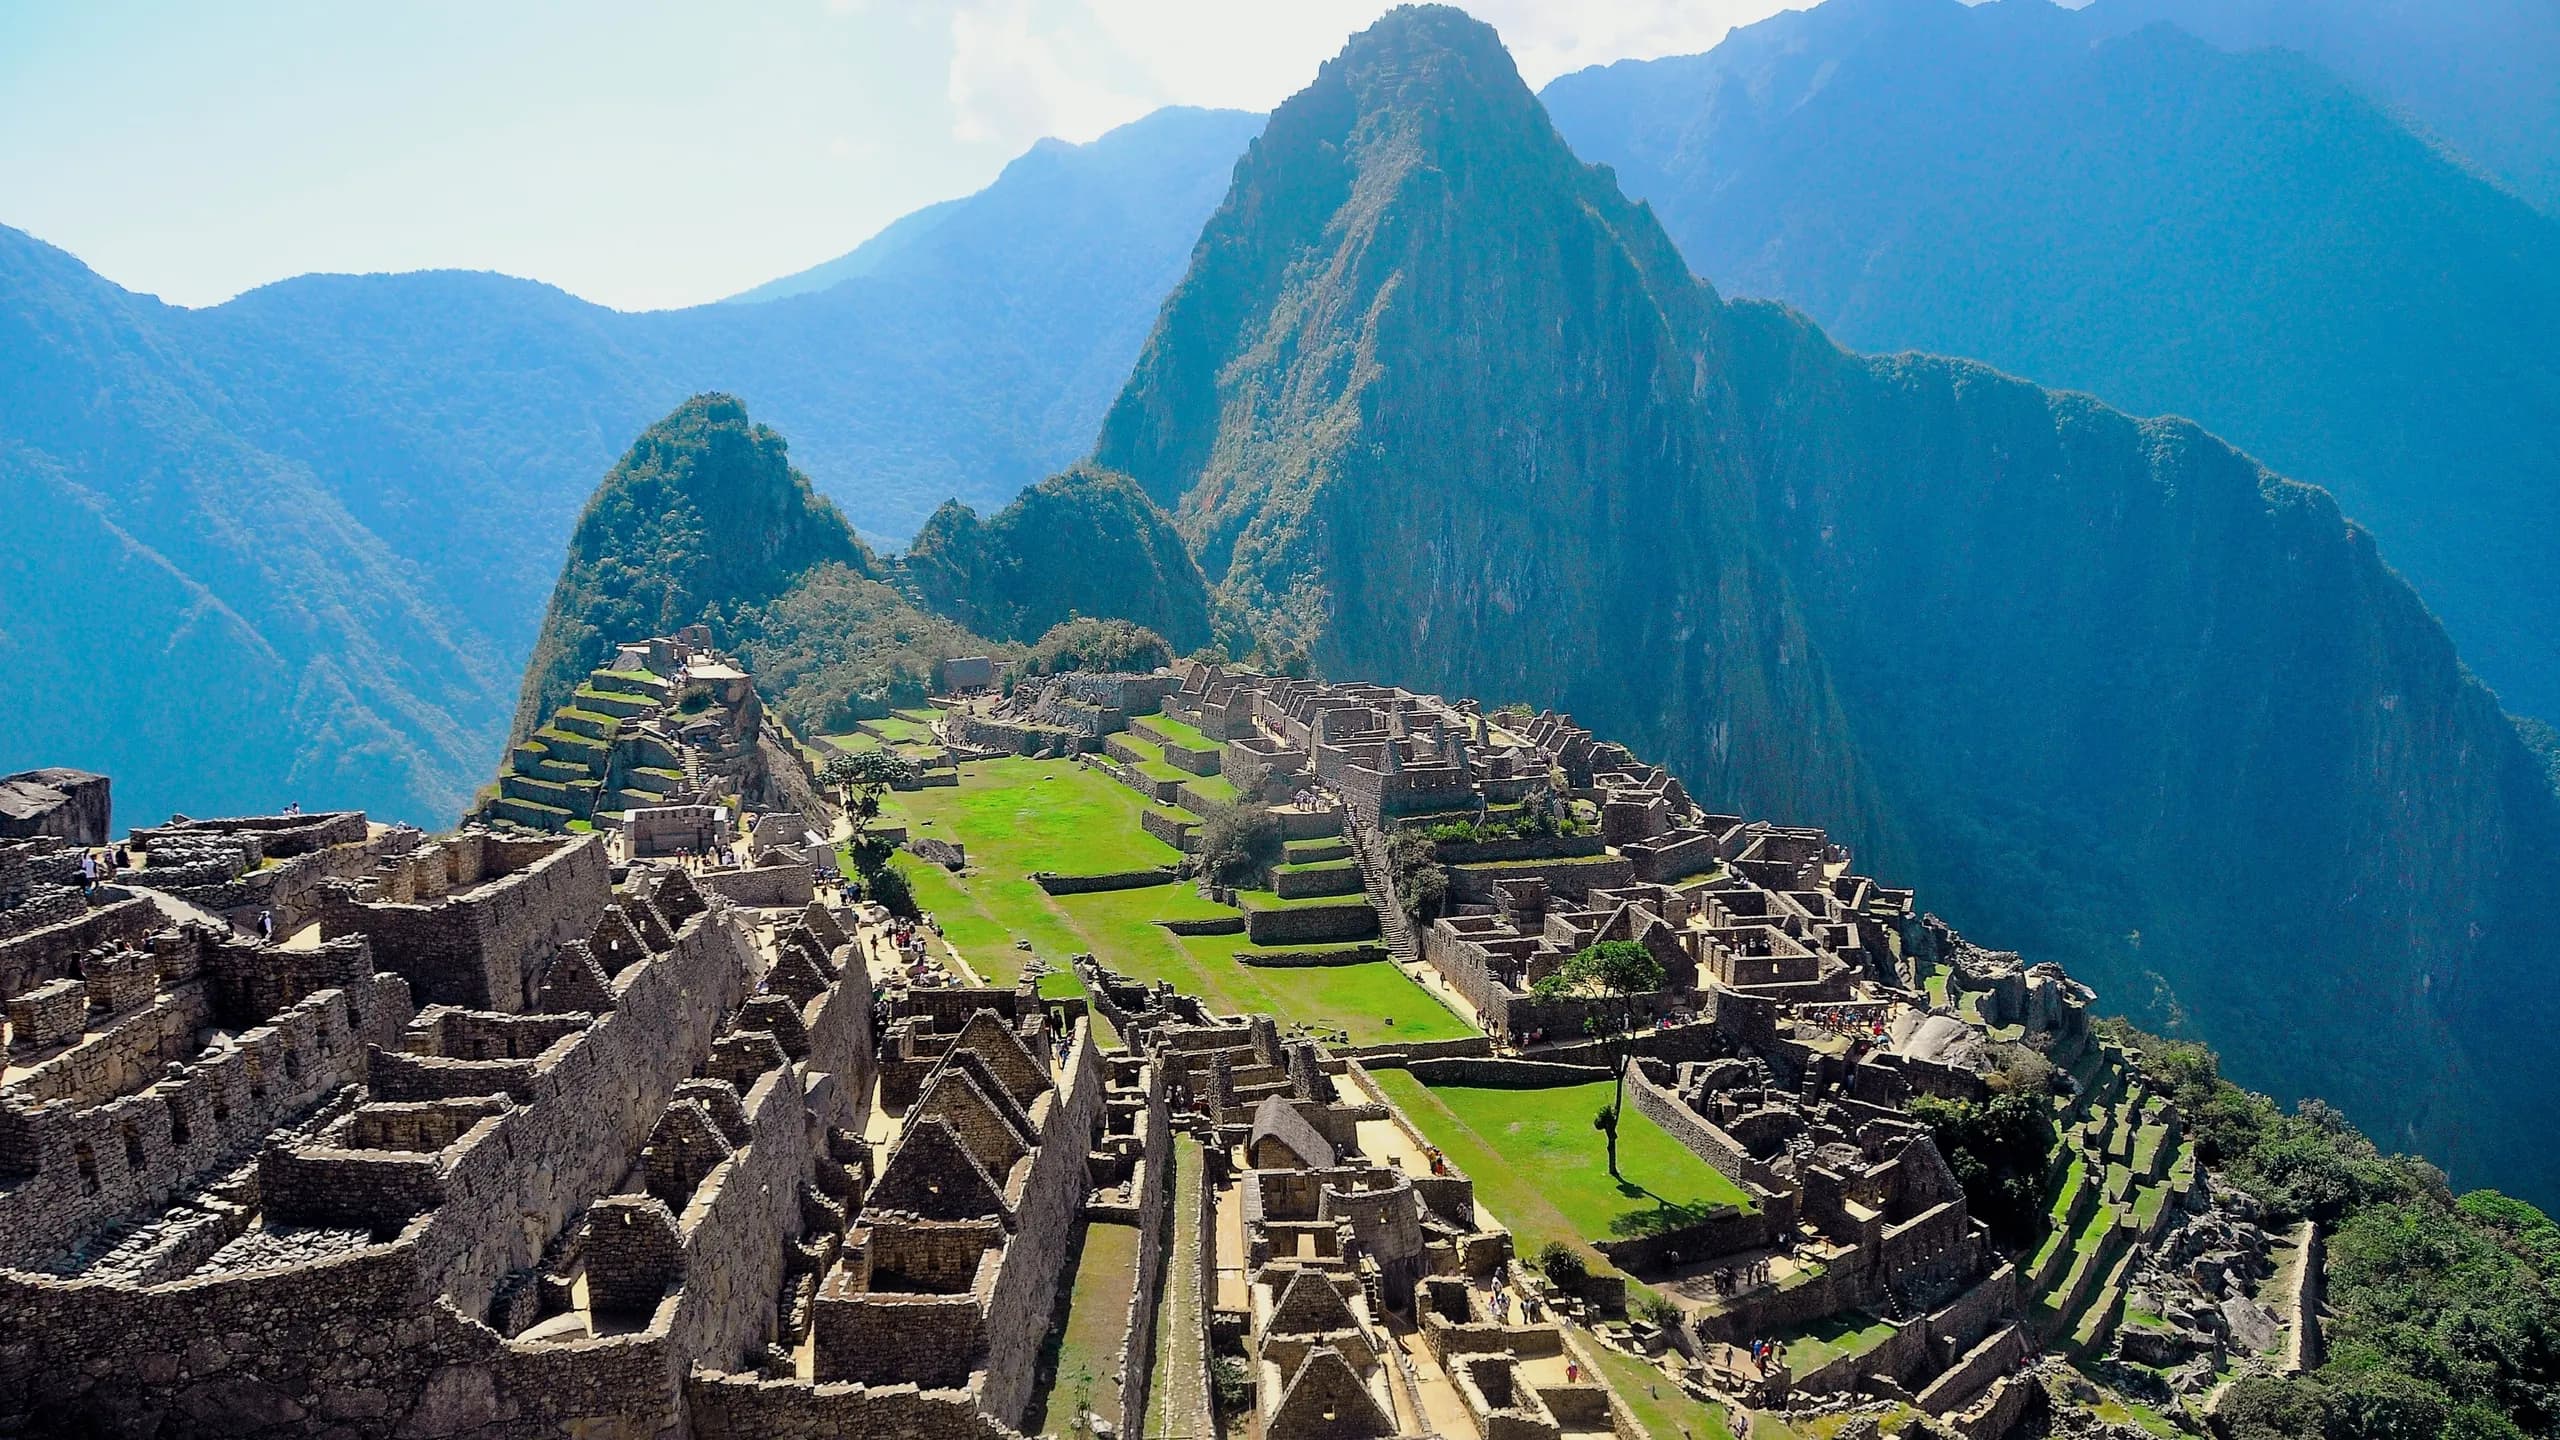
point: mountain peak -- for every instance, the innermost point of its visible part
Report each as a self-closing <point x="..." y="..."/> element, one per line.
<point x="701" y="518"/>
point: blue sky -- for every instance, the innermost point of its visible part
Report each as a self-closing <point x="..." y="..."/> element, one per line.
<point x="640" y="155"/>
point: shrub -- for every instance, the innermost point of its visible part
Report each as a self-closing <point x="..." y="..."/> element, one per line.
<point x="1657" y="1309"/>
<point x="1563" y="1267"/>
<point x="889" y="887"/>
<point x="1111" y="646"/>
<point x="1238" y="844"/>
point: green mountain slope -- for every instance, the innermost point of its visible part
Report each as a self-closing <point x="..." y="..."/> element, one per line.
<point x="1425" y="409"/>
<point x="704" y="521"/>
<point x="2241" y="238"/>
<point x="1083" y="542"/>
<point x="1439" y="401"/>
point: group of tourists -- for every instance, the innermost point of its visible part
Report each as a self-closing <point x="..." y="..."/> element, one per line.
<point x="101" y="866"/>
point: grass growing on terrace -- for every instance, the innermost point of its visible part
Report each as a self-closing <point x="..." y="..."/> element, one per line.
<point x="1017" y="816"/>
<point x="1359" y="999"/>
<point x="1827" y="1339"/>
<point x="1666" y="1411"/>
<point x="1539" y="1165"/>
<point x="1097" y="1321"/>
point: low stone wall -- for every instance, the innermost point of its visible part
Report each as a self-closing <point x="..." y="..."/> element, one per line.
<point x="1308" y="824"/>
<point x="1498" y="1072"/>
<point x="1205" y="925"/>
<point x="1330" y="878"/>
<point x="1173" y="827"/>
<point x="1307" y="925"/>
<point x="1570" y="878"/>
<point x="1726" y="1230"/>
<point x="1524" y="847"/>
<point x="1303" y="959"/>
<point x="771" y="886"/>
<point x="1721" y="1151"/>
<point x="1400" y="1055"/>
<point x="1057" y="884"/>
<point x="743" y="1407"/>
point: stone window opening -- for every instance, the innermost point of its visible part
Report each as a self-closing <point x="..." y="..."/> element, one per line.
<point x="221" y="1108"/>
<point x="87" y="1159"/>
<point x="292" y="1064"/>
<point x="133" y="1157"/>
<point x="257" y="1075"/>
<point x="177" y="1122"/>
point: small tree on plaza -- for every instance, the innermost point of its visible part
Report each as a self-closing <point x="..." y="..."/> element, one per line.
<point x="864" y="778"/>
<point x="1619" y="971"/>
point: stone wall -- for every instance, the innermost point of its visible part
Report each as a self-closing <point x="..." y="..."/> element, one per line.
<point x="768" y="887"/>
<point x="50" y="951"/>
<point x="1722" y="1152"/>
<point x="588" y="1110"/>
<point x="1155" y="1232"/>
<point x="78" y="1167"/>
<point x="1035" y="1257"/>
<point x="1056" y="884"/>
<point x="481" y="948"/>
<point x="1571" y="878"/>
<point x="742" y="1407"/>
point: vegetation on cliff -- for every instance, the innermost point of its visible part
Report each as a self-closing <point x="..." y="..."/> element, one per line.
<point x="2242" y="238"/>
<point x="1085" y="542"/>
<point x="2443" y="1309"/>
<point x="704" y="521"/>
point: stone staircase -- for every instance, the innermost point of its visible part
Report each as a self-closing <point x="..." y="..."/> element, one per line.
<point x="1369" y="848"/>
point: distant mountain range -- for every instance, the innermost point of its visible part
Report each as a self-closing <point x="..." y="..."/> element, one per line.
<point x="297" y="545"/>
<point x="2241" y="238"/>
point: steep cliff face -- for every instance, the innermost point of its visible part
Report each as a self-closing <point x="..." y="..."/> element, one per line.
<point x="1437" y="400"/>
<point x="2149" y="708"/>
<point x="1423" y="407"/>
<point x="1084" y="542"/>
<point x="2242" y="239"/>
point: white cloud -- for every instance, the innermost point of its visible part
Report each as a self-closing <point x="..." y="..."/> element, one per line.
<point x="1021" y="69"/>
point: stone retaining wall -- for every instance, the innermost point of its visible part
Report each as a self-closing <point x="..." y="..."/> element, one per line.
<point x="1057" y="884"/>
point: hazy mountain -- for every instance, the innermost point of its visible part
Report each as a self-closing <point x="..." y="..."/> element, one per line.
<point x="2484" y="75"/>
<point x="297" y="545"/>
<point x="2240" y="238"/>
<point x="1438" y="401"/>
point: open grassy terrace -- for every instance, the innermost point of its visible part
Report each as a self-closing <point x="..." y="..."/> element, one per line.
<point x="1538" y="1163"/>
<point x="1019" y="816"/>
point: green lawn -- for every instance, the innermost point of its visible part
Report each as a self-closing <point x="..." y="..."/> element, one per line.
<point x="1540" y="1166"/>
<point x="1017" y="816"/>
<point x="1121" y="928"/>
<point x="1666" y="1411"/>
<point x="1186" y="736"/>
<point x="1827" y="1339"/>
<point x="1175" y="1404"/>
<point x="1087" y="1346"/>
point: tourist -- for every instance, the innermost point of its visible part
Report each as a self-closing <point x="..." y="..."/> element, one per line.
<point x="267" y="925"/>
<point x="88" y="870"/>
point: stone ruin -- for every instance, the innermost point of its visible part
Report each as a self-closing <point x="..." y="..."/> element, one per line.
<point x="667" y="728"/>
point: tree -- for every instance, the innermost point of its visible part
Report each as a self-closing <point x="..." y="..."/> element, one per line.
<point x="1238" y="844"/>
<point x="1619" y="971"/>
<point x="864" y="776"/>
<point x="1422" y="882"/>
